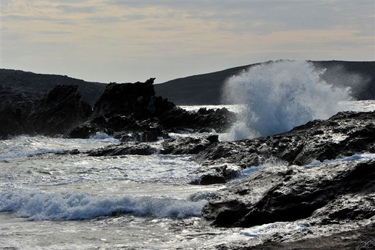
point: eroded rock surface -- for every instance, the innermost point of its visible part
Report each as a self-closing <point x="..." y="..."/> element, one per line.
<point x="328" y="193"/>
<point x="346" y="133"/>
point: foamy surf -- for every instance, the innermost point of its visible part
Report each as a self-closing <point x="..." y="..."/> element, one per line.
<point x="23" y="146"/>
<point x="80" y="206"/>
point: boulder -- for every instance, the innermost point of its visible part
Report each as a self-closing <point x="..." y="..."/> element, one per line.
<point x="327" y="193"/>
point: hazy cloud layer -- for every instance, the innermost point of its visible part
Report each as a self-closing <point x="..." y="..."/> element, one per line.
<point x="119" y="40"/>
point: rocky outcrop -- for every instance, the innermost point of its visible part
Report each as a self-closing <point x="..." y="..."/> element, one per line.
<point x="137" y="100"/>
<point x="59" y="111"/>
<point x="332" y="199"/>
<point x="54" y="113"/>
<point x="15" y="107"/>
<point x="344" y="134"/>
<point x="187" y="145"/>
<point x="133" y="107"/>
<point x="130" y="148"/>
<point x="328" y="193"/>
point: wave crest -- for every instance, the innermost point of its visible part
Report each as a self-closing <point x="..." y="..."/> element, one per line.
<point x="79" y="206"/>
<point x="280" y="96"/>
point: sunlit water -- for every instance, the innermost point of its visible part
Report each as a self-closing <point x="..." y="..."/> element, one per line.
<point x="63" y="201"/>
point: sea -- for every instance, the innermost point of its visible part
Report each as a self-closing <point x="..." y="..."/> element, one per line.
<point x="50" y="200"/>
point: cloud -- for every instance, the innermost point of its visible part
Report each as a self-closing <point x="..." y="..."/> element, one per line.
<point x="75" y="9"/>
<point x="195" y="35"/>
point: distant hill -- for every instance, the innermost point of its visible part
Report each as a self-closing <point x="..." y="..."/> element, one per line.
<point x="41" y="83"/>
<point x="202" y="89"/>
<point x="206" y="89"/>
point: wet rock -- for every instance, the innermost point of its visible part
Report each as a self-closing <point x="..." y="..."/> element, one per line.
<point x="84" y="131"/>
<point x="292" y="193"/>
<point x="220" y="174"/>
<point x="361" y="238"/>
<point x="220" y="120"/>
<point x="346" y="133"/>
<point x="187" y="145"/>
<point x="124" y="149"/>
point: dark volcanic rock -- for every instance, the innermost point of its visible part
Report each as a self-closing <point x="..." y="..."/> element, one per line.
<point x="137" y="99"/>
<point x="220" y="174"/>
<point x="59" y="111"/>
<point x="205" y="119"/>
<point x="123" y="149"/>
<point x="55" y="113"/>
<point x="187" y="145"/>
<point x="133" y="107"/>
<point x="292" y="193"/>
<point x="15" y="108"/>
<point x="346" y="133"/>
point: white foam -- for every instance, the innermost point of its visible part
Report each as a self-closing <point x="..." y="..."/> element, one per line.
<point x="80" y="206"/>
<point x="280" y="96"/>
<point x="355" y="157"/>
<point x="274" y="228"/>
<point x="23" y="146"/>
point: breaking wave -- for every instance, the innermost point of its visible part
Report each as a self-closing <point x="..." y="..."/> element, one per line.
<point x="280" y="96"/>
<point x="73" y="206"/>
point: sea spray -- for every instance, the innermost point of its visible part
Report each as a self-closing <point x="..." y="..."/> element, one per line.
<point x="280" y="96"/>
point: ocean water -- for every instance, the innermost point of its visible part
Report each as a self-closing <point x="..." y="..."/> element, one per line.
<point x="74" y="201"/>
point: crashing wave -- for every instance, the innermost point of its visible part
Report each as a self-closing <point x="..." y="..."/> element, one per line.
<point x="280" y="96"/>
<point x="80" y="206"/>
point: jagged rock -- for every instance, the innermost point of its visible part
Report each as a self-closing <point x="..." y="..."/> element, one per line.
<point x="137" y="99"/>
<point x="220" y="120"/>
<point x="59" y="111"/>
<point x="55" y="113"/>
<point x="346" y="133"/>
<point x="134" y="108"/>
<point x="291" y="193"/>
<point x="15" y="107"/>
<point x="84" y="131"/>
<point x="220" y="174"/>
<point x="123" y="149"/>
<point x="187" y="145"/>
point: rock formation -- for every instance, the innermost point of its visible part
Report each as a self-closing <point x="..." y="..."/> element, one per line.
<point x="134" y="108"/>
<point x="344" y="134"/>
<point x="328" y="193"/>
<point x="54" y="113"/>
<point x="332" y="198"/>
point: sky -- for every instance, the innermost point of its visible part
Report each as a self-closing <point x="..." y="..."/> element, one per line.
<point x="133" y="40"/>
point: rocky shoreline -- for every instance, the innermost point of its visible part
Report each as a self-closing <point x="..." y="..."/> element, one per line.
<point x="295" y="175"/>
